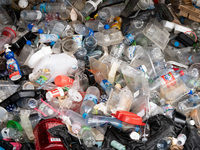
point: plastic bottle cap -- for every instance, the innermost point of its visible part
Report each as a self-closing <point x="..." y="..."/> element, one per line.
<point x="28" y="42"/>
<point x="23" y="3"/>
<point x="40" y="31"/>
<point x="191" y="92"/>
<point x="15" y="125"/>
<point x="134" y="136"/>
<point x="176" y="44"/>
<point x="106" y="26"/>
<point x="52" y="43"/>
<point x="87" y="18"/>
<point x="181" y="73"/>
<point x="30" y="26"/>
<point x="191" y="122"/>
<point x="50" y="111"/>
<point x="84" y="115"/>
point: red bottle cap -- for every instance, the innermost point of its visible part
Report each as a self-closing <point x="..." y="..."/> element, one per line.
<point x="181" y="73"/>
<point x="63" y="80"/>
<point x="129" y="117"/>
<point x="156" y="1"/>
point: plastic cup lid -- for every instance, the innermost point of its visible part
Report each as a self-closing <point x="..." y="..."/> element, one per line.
<point x="14" y="124"/>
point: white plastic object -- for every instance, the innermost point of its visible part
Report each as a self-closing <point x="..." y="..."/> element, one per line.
<point x="180" y="28"/>
<point x="134" y="135"/>
<point x="73" y="15"/>
<point x="94" y="4"/>
<point x="35" y="58"/>
<point x="181" y="139"/>
<point x="6" y="46"/>
<point x="59" y="64"/>
<point x="74" y="95"/>
<point x="169" y="26"/>
<point x="113" y="71"/>
<point x="23" y="3"/>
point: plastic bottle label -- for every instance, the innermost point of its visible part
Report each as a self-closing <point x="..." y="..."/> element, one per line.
<point x="130" y="37"/>
<point x="91" y="32"/>
<point x="13" y="68"/>
<point x="90" y="97"/>
<point x="191" y="58"/>
<point x="169" y="79"/>
<point x="43" y="7"/>
<point x="106" y="85"/>
<point x="41" y="80"/>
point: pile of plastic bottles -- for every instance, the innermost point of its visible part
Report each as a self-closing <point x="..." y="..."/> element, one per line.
<point x="77" y="68"/>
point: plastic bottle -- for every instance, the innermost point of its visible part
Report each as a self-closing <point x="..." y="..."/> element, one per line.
<point x="4" y="17"/>
<point x="31" y="15"/>
<point x="114" y="11"/>
<point x="90" y="100"/>
<point x="90" y="43"/>
<point x="117" y="145"/>
<point x="167" y="79"/>
<point x="118" y="50"/>
<point x="56" y="49"/>
<point x="96" y="25"/>
<point x="164" y="144"/>
<point x="7" y="36"/>
<point x="26" y="124"/>
<point x="48" y="38"/>
<point x="28" y="103"/>
<point x="181" y="139"/>
<point x="83" y="30"/>
<point x="87" y="136"/>
<point x="95" y="121"/>
<point x="51" y="7"/>
<point x="58" y="28"/>
<point x="25" y="53"/>
<point x="12" y="65"/>
<point x="40" y="77"/>
<point x="11" y="133"/>
<point x="90" y="6"/>
<point x="191" y="103"/>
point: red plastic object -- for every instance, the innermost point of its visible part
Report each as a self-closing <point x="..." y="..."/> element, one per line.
<point x="129" y="117"/>
<point x="43" y="140"/>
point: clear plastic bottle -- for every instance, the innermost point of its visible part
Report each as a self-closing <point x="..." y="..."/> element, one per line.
<point x="90" y="6"/>
<point x="11" y="133"/>
<point x="167" y="79"/>
<point x="90" y="43"/>
<point x="58" y="28"/>
<point x="83" y="30"/>
<point x="189" y="104"/>
<point x="26" y="124"/>
<point x="51" y="7"/>
<point x="56" y="49"/>
<point x="28" y="103"/>
<point x="96" y="25"/>
<point x="90" y="100"/>
<point x="107" y="12"/>
<point x="4" y="17"/>
<point x="164" y="144"/>
<point x="31" y="15"/>
<point x="24" y="54"/>
<point x="48" y="38"/>
<point x="87" y="136"/>
<point x="118" y="50"/>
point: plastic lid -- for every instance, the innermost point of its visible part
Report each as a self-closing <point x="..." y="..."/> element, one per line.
<point x="87" y="18"/>
<point x="40" y="31"/>
<point x="84" y="115"/>
<point x="191" y="122"/>
<point x="30" y="26"/>
<point x="181" y="73"/>
<point x="14" y="124"/>
<point x="128" y="117"/>
<point x="28" y="42"/>
<point x="23" y="3"/>
<point x="176" y="43"/>
<point x="106" y="26"/>
<point x="191" y="92"/>
<point x="134" y="136"/>
<point x="52" y="43"/>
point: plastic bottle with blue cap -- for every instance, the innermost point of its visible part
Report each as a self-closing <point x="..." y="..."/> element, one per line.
<point x="90" y="100"/>
<point x="12" y="64"/>
<point x="83" y="30"/>
<point x="31" y="15"/>
<point x="96" y="25"/>
<point x="25" y="53"/>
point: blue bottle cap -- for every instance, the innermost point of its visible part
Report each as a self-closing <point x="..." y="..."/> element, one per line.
<point x="30" y="26"/>
<point x="106" y="27"/>
<point x="58" y="36"/>
<point x="28" y="42"/>
<point x="191" y="92"/>
<point x="52" y="43"/>
<point x="176" y="43"/>
<point x="40" y="31"/>
<point x="84" y="115"/>
<point x="34" y="7"/>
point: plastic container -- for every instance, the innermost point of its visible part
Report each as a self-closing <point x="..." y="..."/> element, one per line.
<point x="90" y="43"/>
<point x="43" y="140"/>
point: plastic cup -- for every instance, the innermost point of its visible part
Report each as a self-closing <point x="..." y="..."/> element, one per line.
<point x="69" y="46"/>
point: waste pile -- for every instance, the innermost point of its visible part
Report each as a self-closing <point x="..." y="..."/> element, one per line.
<point x="99" y="74"/>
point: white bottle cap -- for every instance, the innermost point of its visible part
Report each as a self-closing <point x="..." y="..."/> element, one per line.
<point x="76" y="96"/>
<point x="191" y="122"/>
<point x="134" y="135"/>
<point x="23" y="3"/>
<point x="6" y="46"/>
<point x="39" y="15"/>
